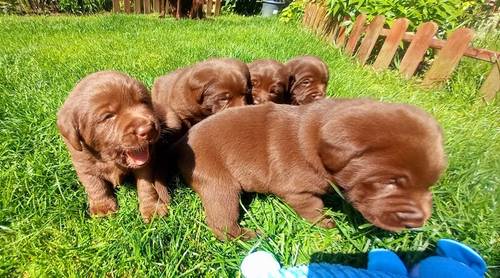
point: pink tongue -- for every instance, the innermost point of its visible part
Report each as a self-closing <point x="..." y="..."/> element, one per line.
<point x="138" y="157"/>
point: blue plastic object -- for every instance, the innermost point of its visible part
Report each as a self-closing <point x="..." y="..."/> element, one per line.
<point x="452" y="259"/>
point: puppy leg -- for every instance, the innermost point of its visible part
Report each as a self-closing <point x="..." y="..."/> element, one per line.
<point x="310" y="207"/>
<point x="100" y="195"/>
<point x="221" y="206"/>
<point x="153" y="195"/>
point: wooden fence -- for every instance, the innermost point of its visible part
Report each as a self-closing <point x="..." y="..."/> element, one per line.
<point x="210" y="7"/>
<point x="450" y="52"/>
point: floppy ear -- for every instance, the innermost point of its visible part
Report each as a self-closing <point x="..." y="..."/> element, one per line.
<point x="199" y="80"/>
<point x="336" y="147"/>
<point x="68" y="126"/>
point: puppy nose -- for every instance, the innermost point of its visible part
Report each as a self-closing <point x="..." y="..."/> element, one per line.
<point x="146" y="131"/>
<point x="412" y="218"/>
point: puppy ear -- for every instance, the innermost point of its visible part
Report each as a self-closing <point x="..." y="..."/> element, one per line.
<point x="198" y="82"/>
<point x="68" y="126"/>
<point x="337" y="148"/>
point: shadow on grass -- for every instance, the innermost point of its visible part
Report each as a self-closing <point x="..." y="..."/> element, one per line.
<point x="360" y="259"/>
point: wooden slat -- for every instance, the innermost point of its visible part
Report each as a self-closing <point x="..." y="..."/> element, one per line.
<point x="355" y="34"/>
<point x="127" y="6"/>
<point x="372" y="33"/>
<point x="476" y="53"/>
<point x="137" y="6"/>
<point x="317" y="18"/>
<point x="448" y="57"/>
<point x="322" y="22"/>
<point x="416" y="51"/>
<point x="209" y="7"/>
<point x="391" y="44"/>
<point x="491" y="85"/>
<point x="341" y="32"/>
<point x="156" y="5"/>
<point x="147" y="6"/>
<point x="217" y="7"/>
<point x="307" y="15"/>
<point x="116" y="6"/>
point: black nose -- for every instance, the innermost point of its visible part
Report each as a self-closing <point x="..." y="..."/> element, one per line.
<point x="146" y="131"/>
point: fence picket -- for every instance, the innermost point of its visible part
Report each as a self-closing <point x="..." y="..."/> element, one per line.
<point x="127" y="6"/>
<point x="217" y="7"/>
<point x="448" y="57"/>
<point x="372" y="33"/>
<point x="209" y="7"/>
<point x="491" y="85"/>
<point x="416" y="51"/>
<point x="137" y="6"/>
<point x="357" y="29"/>
<point x="147" y="6"/>
<point x="391" y="44"/>
<point x="116" y="6"/>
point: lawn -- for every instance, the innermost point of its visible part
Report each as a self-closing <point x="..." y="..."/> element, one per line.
<point x="46" y="231"/>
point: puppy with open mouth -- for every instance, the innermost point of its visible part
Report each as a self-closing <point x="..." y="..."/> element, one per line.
<point x="110" y="128"/>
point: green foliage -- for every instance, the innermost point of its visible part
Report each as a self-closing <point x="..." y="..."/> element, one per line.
<point x="54" y="6"/>
<point x="83" y="6"/>
<point x="46" y="232"/>
<point x="293" y="12"/>
<point x="448" y="14"/>
<point x="242" y="7"/>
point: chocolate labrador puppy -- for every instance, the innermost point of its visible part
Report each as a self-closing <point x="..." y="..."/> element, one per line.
<point x="270" y="81"/>
<point x="384" y="156"/>
<point x="310" y="78"/>
<point x="188" y="95"/>
<point x="109" y="128"/>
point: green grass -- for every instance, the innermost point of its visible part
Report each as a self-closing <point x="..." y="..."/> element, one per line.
<point x="46" y="231"/>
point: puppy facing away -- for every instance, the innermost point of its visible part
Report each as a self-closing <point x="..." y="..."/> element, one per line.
<point x="109" y="128"/>
<point x="310" y="78"/>
<point x="384" y="156"/>
<point x="188" y="95"/>
<point x="270" y="81"/>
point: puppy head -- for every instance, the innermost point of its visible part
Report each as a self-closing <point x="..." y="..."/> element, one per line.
<point x="386" y="157"/>
<point x="110" y="115"/>
<point x="219" y="84"/>
<point x="310" y="78"/>
<point x="270" y="80"/>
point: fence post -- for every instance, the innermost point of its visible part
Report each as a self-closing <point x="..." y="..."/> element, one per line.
<point x="357" y="29"/>
<point x="448" y="57"/>
<point x="116" y="6"/>
<point x="418" y="46"/>
<point x="391" y="44"/>
<point x="491" y="85"/>
<point x="372" y="33"/>
<point x="137" y="6"/>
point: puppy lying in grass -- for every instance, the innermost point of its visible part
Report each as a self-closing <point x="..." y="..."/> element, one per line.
<point x="384" y="156"/>
<point x="109" y="128"/>
<point x="309" y="79"/>
<point x="270" y="81"/>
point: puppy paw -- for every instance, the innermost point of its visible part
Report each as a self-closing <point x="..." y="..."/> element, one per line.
<point x="247" y="234"/>
<point x="148" y="211"/>
<point x="326" y="223"/>
<point x="103" y="207"/>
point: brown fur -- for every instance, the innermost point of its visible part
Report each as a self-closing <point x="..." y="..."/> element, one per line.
<point x="186" y="8"/>
<point x="270" y="80"/>
<point x="107" y="117"/>
<point x="384" y="156"/>
<point x="310" y="79"/>
<point x="188" y="95"/>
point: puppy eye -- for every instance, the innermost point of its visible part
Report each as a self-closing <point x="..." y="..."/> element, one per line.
<point x="107" y="116"/>
<point x="306" y="82"/>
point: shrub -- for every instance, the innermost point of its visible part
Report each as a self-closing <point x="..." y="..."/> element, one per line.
<point x="449" y="14"/>
<point x="53" y="6"/>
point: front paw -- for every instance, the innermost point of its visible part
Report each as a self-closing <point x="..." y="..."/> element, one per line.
<point x="148" y="211"/>
<point x="326" y="223"/>
<point x="103" y="207"/>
